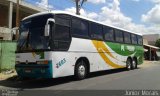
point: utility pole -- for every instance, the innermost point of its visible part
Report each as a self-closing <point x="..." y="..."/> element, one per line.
<point x="17" y="20"/>
<point x="77" y="7"/>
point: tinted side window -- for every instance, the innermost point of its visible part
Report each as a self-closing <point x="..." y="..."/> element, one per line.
<point x="35" y="23"/>
<point x="119" y="35"/>
<point x="140" y="40"/>
<point x="127" y="37"/>
<point x="134" y="39"/>
<point x="108" y="33"/>
<point x="62" y="28"/>
<point x="96" y="31"/>
<point x="63" y="20"/>
<point x="62" y="33"/>
<point x="79" y="27"/>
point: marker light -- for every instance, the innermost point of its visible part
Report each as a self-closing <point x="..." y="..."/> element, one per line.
<point x="42" y="62"/>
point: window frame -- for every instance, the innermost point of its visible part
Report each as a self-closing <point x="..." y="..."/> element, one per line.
<point x="53" y="40"/>
<point x="132" y="39"/>
<point x="107" y="27"/>
<point x="128" y="38"/>
<point x="118" y="34"/>
<point x="90" y="32"/>
<point x="55" y="16"/>
<point x="104" y="29"/>
<point x="141" y="39"/>
<point x="77" y="35"/>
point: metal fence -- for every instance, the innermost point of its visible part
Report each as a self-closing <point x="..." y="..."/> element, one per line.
<point x="7" y="55"/>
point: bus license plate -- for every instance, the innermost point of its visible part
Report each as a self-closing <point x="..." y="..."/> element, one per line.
<point x="28" y="70"/>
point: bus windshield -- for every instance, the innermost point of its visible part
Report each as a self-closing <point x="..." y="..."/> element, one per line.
<point x="32" y="34"/>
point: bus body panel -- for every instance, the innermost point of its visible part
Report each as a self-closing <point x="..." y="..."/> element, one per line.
<point x="65" y="66"/>
<point x="28" y="66"/>
<point x="101" y="56"/>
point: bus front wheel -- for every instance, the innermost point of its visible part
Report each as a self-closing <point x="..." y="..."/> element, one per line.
<point x="80" y="70"/>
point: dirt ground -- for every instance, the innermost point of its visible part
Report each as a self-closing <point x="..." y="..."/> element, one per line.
<point x="7" y="74"/>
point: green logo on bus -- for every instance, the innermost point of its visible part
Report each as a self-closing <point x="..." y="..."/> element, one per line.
<point x="38" y="55"/>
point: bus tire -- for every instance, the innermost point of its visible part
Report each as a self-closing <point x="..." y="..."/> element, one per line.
<point x="134" y="63"/>
<point x="80" y="70"/>
<point x="129" y="64"/>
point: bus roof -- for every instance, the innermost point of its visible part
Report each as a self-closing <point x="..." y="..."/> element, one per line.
<point x="85" y="18"/>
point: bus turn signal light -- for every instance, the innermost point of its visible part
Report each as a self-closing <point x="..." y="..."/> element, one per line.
<point x="42" y="62"/>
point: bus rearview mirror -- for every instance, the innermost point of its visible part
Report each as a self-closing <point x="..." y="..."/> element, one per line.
<point x="47" y="28"/>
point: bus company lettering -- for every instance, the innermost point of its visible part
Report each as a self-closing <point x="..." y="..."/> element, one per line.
<point x="130" y="48"/>
<point x="122" y="48"/>
<point x="60" y="63"/>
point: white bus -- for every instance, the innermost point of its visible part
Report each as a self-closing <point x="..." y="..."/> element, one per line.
<point x="56" y="44"/>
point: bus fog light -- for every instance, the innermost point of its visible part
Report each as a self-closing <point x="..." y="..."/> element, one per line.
<point x="17" y="62"/>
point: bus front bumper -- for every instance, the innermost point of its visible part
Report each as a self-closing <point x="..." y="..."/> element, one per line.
<point x="34" y="70"/>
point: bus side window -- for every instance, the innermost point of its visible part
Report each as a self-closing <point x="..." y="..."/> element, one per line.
<point x="108" y="33"/>
<point x="96" y="31"/>
<point x="119" y="35"/>
<point x="79" y="28"/>
<point x="61" y="34"/>
<point x="134" y="39"/>
<point x="140" y="41"/>
<point x="127" y="37"/>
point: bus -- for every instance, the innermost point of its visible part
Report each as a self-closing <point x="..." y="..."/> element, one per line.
<point x="57" y="44"/>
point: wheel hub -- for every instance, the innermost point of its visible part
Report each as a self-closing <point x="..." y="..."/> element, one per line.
<point x="134" y="64"/>
<point x="128" y="64"/>
<point x="81" y="70"/>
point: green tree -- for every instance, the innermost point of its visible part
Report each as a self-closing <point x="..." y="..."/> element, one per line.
<point x="157" y="43"/>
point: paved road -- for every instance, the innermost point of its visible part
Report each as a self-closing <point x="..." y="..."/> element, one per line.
<point x="147" y="76"/>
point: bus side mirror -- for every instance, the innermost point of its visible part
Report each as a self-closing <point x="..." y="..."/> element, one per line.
<point x="47" y="26"/>
<point x="47" y="29"/>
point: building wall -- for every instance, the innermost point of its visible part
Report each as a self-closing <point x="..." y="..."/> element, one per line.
<point x="5" y="33"/>
<point x="3" y="16"/>
<point x="145" y="41"/>
<point x="151" y="38"/>
<point x="22" y="14"/>
<point x="26" y="9"/>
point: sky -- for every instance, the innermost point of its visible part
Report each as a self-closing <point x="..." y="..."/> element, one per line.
<point x="139" y="16"/>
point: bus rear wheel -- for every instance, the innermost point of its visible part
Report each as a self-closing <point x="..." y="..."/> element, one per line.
<point x="80" y="70"/>
<point x="129" y="64"/>
<point x="134" y="63"/>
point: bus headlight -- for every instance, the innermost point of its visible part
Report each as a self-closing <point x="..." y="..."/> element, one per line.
<point x="42" y="62"/>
